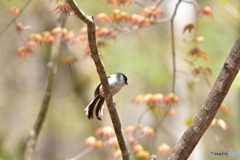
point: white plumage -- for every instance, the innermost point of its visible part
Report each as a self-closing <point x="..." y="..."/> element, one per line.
<point x="116" y="82"/>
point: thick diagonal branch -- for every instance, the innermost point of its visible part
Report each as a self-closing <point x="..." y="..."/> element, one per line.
<point x="102" y="75"/>
<point x="53" y="66"/>
<point x="193" y="134"/>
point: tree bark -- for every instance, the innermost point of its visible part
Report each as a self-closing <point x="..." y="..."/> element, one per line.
<point x="103" y="77"/>
<point x="200" y="124"/>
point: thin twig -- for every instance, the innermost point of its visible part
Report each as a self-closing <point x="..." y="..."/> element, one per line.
<point x="159" y="3"/>
<point x="191" y="2"/>
<point x="139" y="122"/>
<point x="174" y="75"/>
<point x="139" y="3"/>
<point x="53" y="66"/>
<point x="188" y="61"/>
<point x="207" y="81"/>
<point x="193" y="64"/>
<point x="103" y="76"/>
<point x="218" y="140"/>
<point x="136" y="27"/>
<point x="81" y="154"/>
<point x="173" y="46"/>
<point x="196" y="15"/>
<point x="15" y="18"/>
<point x="142" y="114"/>
<point x="19" y="34"/>
<point x="158" y="127"/>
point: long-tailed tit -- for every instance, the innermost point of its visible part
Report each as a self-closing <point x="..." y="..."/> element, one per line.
<point x="116" y="82"/>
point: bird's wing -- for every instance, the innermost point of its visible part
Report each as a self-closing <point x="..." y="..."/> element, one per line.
<point x="97" y="90"/>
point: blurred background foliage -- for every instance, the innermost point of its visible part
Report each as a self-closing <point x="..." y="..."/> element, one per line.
<point x="143" y="55"/>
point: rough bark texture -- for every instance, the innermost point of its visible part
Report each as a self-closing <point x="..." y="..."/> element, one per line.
<point x="103" y="77"/>
<point x="193" y="134"/>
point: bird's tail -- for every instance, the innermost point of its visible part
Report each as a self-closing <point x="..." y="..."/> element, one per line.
<point x="97" y="101"/>
<point x="89" y="109"/>
<point x="99" y="109"/>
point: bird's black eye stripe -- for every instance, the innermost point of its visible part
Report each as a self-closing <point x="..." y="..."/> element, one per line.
<point x="125" y="78"/>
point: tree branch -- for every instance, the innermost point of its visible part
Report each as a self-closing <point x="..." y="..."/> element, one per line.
<point x="81" y="154"/>
<point x="159" y="3"/>
<point x="139" y="3"/>
<point x="193" y="134"/>
<point x="173" y="46"/>
<point x="15" y="18"/>
<point x="136" y="27"/>
<point x="174" y="74"/>
<point x="53" y="66"/>
<point x="102" y="75"/>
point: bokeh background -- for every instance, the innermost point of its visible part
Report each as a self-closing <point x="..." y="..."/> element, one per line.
<point x="143" y="55"/>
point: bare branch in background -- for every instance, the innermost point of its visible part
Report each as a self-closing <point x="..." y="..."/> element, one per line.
<point x="15" y="18"/>
<point x="174" y="74"/>
<point x="218" y="140"/>
<point x="139" y="3"/>
<point x="159" y="3"/>
<point x="81" y="154"/>
<point x="102" y="75"/>
<point x="173" y="46"/>
<point x="136" y="27"/>
<point x="201" y="122"/>
<point x="53" y="66"/>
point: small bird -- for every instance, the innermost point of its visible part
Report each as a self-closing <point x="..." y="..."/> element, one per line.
<point x="116" y="82"/>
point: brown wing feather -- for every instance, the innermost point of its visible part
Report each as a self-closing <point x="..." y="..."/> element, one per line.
<point x="97" y="90"/>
